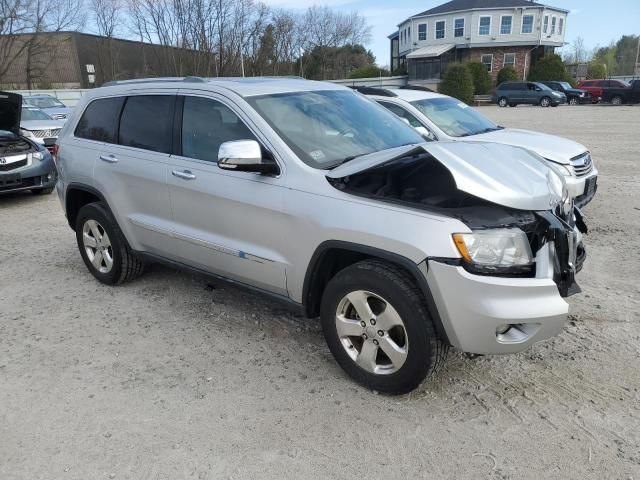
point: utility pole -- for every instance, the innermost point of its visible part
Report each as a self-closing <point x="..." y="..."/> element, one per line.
<point x="636" y="67"/>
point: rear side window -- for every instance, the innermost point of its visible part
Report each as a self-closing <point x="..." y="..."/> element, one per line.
<point x="147" y="122"/>
<point x="100" y="120"/>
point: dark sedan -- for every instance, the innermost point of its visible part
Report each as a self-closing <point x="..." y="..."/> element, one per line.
<point x="24" y="164"/>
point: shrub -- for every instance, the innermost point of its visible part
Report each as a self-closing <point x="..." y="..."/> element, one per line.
<point x="480" y="76"/>
<point x="457" y="82"/>
<point x="369" y="71"/>
<point x="507" y="74"/>
<point x="596" y="70"/>
<point x="550" y="67"/>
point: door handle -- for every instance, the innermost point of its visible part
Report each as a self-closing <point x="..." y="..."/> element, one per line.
<point x="185" y="174"/>
<point x="109" y="158"/>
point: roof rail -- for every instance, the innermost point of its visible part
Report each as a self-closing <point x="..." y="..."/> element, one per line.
<point x="382" y="92"/>
<point x="154" y="80"/>
<point x="417" y="87"/>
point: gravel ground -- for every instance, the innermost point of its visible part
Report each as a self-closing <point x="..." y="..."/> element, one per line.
<point x="169" y="378"/>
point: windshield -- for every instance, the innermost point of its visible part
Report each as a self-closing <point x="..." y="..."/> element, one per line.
<point x="566" y="85"/>
<point x="327" y="128"/>
<point x="454" y="117"/>
<point x="34" y="114"/>
<point x="44" y="102"/>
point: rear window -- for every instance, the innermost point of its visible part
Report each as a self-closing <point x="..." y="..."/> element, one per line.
<point x="100" y="120"/>
<point x="147" y="122"/>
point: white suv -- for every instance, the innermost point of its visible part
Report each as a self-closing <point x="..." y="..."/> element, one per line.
<point x="320" y="198"/>
<point x="443" y="118"/>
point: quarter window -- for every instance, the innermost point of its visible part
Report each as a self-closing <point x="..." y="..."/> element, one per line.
<point x="207" y="124"/>
<point x="440" y="29"/>
<point x="485" y="26"/>
<point x="99" y="121"/>
<point x="505" y="24"/>
<point x="545" y="24"/>
<point x="509" y="59"/>
<point x="527" y="24"/>
<point x="458" y="27"/>
<point x="422" y="31"/>
<point x="147" y="122"/>
<point x="487" y="61"/>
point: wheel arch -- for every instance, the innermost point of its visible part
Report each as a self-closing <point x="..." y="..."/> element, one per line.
<point x="77" y="196"/>
<point x="334" y="255"/>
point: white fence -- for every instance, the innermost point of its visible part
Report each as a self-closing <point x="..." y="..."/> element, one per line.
<point x="399" y="81"/>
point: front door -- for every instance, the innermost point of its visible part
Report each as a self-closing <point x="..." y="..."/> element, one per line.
<point x="228" y="223"/>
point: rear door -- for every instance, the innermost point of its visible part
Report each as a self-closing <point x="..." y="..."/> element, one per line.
<point x="518" y="92"/>
<point x="228" y="223"/>
<point x="130" y="170"/>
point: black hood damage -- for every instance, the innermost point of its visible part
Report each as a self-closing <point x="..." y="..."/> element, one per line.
<point x="418" y="180"/>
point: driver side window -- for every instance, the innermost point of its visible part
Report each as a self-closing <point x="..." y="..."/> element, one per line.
<point x="207" y="124"/>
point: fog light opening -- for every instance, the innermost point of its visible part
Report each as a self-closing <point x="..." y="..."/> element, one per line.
<point x="502" y="329"/>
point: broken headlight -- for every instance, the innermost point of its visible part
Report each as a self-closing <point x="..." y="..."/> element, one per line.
<point x="495" y="251"/>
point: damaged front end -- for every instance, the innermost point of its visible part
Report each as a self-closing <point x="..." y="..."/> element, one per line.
<point x="522" y="221"/>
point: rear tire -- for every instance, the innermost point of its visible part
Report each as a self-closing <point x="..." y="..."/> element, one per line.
<point x="513" y="104"/>
<point x="394" y="319"/>
<point x="616" y="100"/>
<point x="573" y="101"/>
<point x="503" y="102"/>
<point x="103" y="247"/>
<point x="545" y="102"/>
<point x="42" y="191"/>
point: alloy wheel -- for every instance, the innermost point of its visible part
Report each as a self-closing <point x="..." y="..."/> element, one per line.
<point x="97" y="246"/>
<point x="372" y="332"/>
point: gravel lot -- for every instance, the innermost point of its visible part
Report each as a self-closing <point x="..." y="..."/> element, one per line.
<point x="170" y="378"/>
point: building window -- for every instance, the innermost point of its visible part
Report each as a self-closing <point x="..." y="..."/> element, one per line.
<point x="440" y="29"/>
<point x="487" y="61"/>
<point x="545" y="27"/>
<point x="553" y="25"/>
<point x="458" y="27"/>
<point x="485" y="26"/>
<point x="509" y="59"/>
<point x="527" y="24"/>
<point x="505" y="24"/>
<point x="409" y="34"/>
<point x="560" y="25"/>
<point x="422" y="31"/>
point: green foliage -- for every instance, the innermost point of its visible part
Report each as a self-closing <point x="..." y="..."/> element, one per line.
<point x="507" y="74"/>
<point x="402" y="70"/>
<point x="369" y="71"/>
<point x="457" y="82"/>
<point x="550" y="67"/>
<point x="596" y="70"/>
<point x="619" y="58"/>
<point x="480" y="76"/>
<point x="326" y="63"/>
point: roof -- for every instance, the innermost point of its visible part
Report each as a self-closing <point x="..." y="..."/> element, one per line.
<point x="413" y="95"/>
<point x="431" y="51"/>
<point x="245" y="87"/>
<point x="457" y="5"/>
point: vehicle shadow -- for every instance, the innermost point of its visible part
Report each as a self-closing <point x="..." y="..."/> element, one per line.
<point x="24" y="197"/>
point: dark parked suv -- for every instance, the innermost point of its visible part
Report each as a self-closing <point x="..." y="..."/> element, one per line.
<point x="532" y="93"/>
<point x="574" y="96"/>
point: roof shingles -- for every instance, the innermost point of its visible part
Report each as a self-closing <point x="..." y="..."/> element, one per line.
<point x="457" y="5"/>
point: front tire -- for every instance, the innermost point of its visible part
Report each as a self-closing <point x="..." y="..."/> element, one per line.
<point x="616" y="100"/>
<point x="503" y="102"/>
<point x="573" y="101"/>
<point x="42" y="191"/>
<point x="377" y="326"/>
<point x="103" y="247"/>
<point x="545" y="102"/>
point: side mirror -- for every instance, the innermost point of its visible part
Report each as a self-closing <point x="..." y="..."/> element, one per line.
<point x="245" y="156"/>
<point x="426" y="133"/>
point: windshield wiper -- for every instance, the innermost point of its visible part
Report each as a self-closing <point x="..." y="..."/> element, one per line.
<point x="486" y="130"/>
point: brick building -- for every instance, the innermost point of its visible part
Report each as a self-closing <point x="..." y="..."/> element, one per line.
<point x="494" y="32"/>
<point x="81" y="60"/>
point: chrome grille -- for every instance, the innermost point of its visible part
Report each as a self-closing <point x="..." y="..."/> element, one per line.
<point x="46" y="133"/>
<point x="582" y="164"/>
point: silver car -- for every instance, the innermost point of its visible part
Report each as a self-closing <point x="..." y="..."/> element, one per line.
<point x="39" y="127"/>
<point x="439" y="117"/>
<point x="310" y="193"/>
<point x="50" y="104"/>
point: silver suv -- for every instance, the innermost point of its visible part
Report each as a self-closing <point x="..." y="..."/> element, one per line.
<point x="321" y="198"/>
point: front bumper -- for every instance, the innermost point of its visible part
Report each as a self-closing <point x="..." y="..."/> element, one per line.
<point x="582" y="189"/>
<point x="39" y="174"/>
<point x="473" y="307"/>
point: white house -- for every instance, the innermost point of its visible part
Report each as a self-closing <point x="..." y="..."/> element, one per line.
<point x="494" y="32"/>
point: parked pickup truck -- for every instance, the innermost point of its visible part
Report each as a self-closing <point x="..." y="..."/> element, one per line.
<point x="620" y="95"/>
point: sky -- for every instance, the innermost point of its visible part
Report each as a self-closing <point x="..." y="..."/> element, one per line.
<point x="593" y="20"/>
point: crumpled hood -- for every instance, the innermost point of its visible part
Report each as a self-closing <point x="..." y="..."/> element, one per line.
<point x="501" y="174"/>
<point x="10" y="111"/>
<point x="551" y="147"/>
